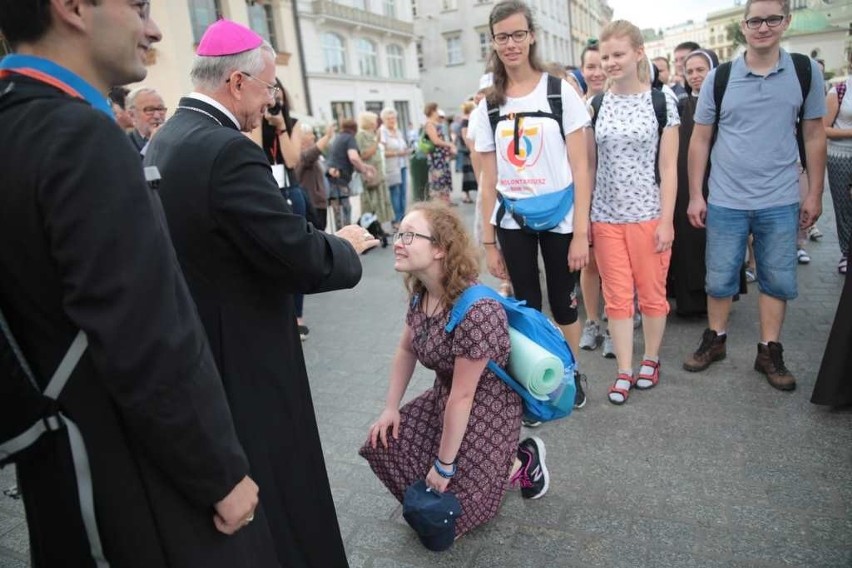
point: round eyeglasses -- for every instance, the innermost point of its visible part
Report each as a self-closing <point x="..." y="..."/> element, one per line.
<point x="271" y="90"/>
<point x="771" y="22"/>
<point x="407" y="237"/>
<point x="517" y="36"/>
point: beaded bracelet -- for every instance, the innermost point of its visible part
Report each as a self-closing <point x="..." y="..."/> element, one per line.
<point x="442" y="472"/>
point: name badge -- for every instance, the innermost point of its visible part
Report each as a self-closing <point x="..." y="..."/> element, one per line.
<point x="280" y="175"/>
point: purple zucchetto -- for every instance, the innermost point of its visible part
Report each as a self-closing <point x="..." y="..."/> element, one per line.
<point x="225" y="37"/>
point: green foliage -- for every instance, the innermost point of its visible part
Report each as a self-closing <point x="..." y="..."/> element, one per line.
<point x="735" y="34"/>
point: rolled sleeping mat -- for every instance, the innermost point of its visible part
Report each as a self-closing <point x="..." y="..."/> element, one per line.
<point x="538" y="370"/>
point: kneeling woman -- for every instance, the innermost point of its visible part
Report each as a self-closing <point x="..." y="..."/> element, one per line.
<point x="462" y="434"/>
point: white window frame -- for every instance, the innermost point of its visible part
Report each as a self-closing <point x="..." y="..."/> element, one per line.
<point x="455" y="49"/>
<point x="368" y="57"/>
<point x="396" y="61"/>
<point x="334" y="55"/>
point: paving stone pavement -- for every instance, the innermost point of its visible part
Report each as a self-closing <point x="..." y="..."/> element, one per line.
<point x="709" y="469"/>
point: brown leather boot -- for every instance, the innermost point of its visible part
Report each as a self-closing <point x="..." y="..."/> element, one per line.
<point x="711" y="349"/>
<point x="770" y="362"/>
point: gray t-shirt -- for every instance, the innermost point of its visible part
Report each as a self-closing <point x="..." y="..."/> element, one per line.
<point x="627" y="137"/>
<point x="755" y="156"/>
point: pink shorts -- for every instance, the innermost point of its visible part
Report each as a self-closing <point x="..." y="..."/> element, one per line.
<point x="628" y="260"/>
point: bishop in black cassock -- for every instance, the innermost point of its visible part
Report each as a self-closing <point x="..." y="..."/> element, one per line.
<point x="244" y="254"/>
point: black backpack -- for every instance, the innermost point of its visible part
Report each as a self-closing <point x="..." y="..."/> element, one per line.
<point x="802" y="64"/>
<point x="554" y="99"/>
<point x="658" y="99"/>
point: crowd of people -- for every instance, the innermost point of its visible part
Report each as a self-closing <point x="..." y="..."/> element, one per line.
<point x="173" y="256"/>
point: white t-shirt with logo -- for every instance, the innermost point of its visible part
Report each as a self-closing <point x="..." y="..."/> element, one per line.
<point x="541" y="165"/>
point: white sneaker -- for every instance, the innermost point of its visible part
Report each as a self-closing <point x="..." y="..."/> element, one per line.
<point x="803" y="257"/>
<point x="607" y="350"/>
<point x="591" y="336"/>
<point x="814" y="233"/>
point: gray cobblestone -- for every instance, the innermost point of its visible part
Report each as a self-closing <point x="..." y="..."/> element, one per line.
<point x="708" y="469"/>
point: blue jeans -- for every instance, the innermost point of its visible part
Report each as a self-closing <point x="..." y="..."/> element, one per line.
<point x="397" y="197"/>
<point x="774" y="229"/>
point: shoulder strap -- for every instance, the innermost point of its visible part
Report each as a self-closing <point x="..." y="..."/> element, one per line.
<point x="802" y="63"/>
<point x="841" y="92"/>
<point x="554" y="99"/>
<point x="597" y="101"/>
<point x="658" y="99"/>
<point x="493" y="116"/>
<point x="723" y="73"/>
<point x="466" y="300"/>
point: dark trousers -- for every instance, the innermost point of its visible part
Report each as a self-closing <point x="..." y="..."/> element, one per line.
<point x="520" y="251"/>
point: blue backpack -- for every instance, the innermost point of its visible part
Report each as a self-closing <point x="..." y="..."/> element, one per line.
<point x="537" y="327"/>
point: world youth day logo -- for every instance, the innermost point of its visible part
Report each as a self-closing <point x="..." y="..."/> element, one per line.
<point x="530" y="142"/>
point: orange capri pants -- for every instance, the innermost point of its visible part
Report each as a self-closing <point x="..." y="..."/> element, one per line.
<point x="628" y="260"/>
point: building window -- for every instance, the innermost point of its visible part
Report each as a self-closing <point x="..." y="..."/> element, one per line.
<point x="414" y="8"/>
<point x="367" y="60"/>
<point x="454" y="50"/>
<point x="341" y="110"/>
<point x="333" y="53"/>
<point x="449" y="4"/>
<point x="374" y="107"/>
<point x="202" y="13"/>
<point x="420" y="64"/>
<point x="396" y="62"/>
<point x="390" y="8"/>
<point x="484" y="45"/>
<point x="403" y="116"/>
<point x="362" y="4"/>
<point x="262" y="21"/>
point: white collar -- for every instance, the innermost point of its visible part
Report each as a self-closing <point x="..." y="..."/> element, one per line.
<point x="213" y="102"/>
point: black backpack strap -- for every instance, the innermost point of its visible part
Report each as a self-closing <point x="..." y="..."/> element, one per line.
<point x="554" y="99"/>
<point x="802" y="63"/>
<point x="658" y="99"/>
<point x="493" y="116"/>
<point x="723" y="73"/>
<point x="597" y="101"/>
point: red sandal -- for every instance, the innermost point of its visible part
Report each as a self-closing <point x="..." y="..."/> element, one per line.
<point x="615" y="389"/>
<point x="654" y="377"/>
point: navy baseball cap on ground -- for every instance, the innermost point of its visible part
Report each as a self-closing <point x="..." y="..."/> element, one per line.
<point x="432" y="515"/>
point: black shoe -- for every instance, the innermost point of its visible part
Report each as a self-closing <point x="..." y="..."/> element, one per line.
<point x="580" y="394"/>
<point x="303" y="332"/>
<point x="531" y="422"/>
<point x="532" y="476"/>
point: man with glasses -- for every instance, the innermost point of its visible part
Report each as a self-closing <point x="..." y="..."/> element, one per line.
<point x="147" y="112"/>
<point x="244" y="254"/>
<point x="754" y="183"/>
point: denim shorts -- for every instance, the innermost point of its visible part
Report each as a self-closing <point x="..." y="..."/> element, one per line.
<point x="774" y="229"/>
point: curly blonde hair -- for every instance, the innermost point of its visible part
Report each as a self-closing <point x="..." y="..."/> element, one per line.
<point x="460" y="264"/>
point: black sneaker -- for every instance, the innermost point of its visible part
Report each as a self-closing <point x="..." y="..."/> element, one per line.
<point x="580" y="395"/>
<point x="531" y="422"/>
<point x="303" y="332"/>
<point x="532" y="476"/>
